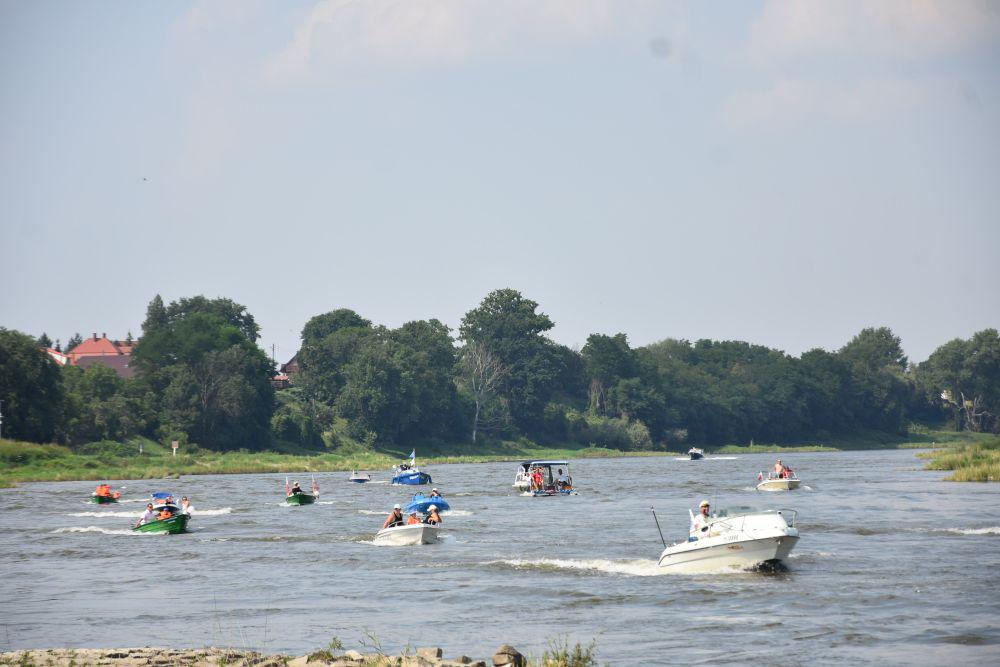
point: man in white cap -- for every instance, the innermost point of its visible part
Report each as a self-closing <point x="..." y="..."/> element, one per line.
<point x="699" y="524"/>
<point x="435" y="494"/>
<point x="395" y="517"/>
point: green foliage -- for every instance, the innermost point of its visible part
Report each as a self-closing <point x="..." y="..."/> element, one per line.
<point x="30" y="389"/>
<point x="102" y="406"/>
<point x="972" y="462"/>
<point x="561" y="654"/>
<point x="967" y="374"/>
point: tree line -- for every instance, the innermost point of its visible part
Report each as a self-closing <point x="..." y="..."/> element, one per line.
<point x="201" y="378"/>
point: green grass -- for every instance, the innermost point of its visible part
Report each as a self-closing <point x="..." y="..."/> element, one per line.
<point x="977" y="461"/>
<point x="29" y="462"/>
<point x="760" y="449"/>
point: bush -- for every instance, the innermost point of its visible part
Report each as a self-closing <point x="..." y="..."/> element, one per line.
<point x="108" y="449"/>
<point x="15" y="453"/>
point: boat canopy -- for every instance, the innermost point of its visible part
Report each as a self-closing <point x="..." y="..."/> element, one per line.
<point x="529" y="464"/>
<point x="160" y="495"/>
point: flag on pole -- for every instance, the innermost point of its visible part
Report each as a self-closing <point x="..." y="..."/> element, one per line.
<point x="288" y="489"/>
<point x="413" y="457"/>
<point x="315" y="486"/>
<point x="760" y="476"/>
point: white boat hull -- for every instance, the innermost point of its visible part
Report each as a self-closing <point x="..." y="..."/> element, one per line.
<point x="402" y="536"/>
<point x="742" y="555"/>
<point x="779" y="484"/>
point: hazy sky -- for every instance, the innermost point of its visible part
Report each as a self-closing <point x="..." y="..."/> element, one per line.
<point x="785" y="173"/>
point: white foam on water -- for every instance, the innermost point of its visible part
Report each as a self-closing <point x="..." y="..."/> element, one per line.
<point x="134" y="500"/>
<point x="457" y="513"/>
<point x="722" y="458"/>
<point x="373" y="512"/>
<point x="635" y="568"/>
<point x="325" y="502"/>
<point x="223" y="510"/>
<point x="103" y="531"/>
<point x="131" y="515"/>
<point x="992" y="530"/>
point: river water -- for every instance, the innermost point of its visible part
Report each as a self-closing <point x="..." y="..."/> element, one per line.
<point x="894" y="566"/>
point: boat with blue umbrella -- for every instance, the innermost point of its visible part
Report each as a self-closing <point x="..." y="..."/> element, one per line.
<point x="408" y="473"/>
<point x="422" y="503"/>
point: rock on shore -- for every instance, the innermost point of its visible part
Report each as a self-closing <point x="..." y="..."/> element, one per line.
<point x="506" y="656"/>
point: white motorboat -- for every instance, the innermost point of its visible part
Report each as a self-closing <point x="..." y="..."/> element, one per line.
<point x="696" y="453"/>
<point x="778" y="483"/>
<point x="360" y="477"/>
<point x="537" y="478"/>
<point x="737" y="537"/>
<point x="413" y="534"/>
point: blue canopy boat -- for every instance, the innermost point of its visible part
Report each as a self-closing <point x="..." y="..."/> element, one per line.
<point x="422" y="503"/>
<point x="536" y="478"/>
<point x="408" y="473"/>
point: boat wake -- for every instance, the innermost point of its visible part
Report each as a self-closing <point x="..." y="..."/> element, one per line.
<point x="130" y="515"/>
<point x="218" y="512"/>
<point x="722" y="458"/>
<point x="133" y="500"/>
<point x="103" y="531"/>
<point x="373" y="512"/>
<point x="634" y="568"/>
<point x="992" y="530"/>
<point x="457" y="513"/>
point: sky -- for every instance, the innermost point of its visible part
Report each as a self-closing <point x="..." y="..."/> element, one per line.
<point x="784" y="173"/>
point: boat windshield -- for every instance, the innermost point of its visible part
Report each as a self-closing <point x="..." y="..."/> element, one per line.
<point x="743" y="510"/>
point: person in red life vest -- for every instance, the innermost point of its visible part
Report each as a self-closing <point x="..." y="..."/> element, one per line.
<point x="413" y="518"/>
<point x="164" y="514"/>
<point x="536" y="480"/>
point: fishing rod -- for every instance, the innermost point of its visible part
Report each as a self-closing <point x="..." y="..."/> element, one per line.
<point x="658" y="527"/>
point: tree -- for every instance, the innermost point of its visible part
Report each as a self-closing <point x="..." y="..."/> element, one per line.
<point x="30" y="387"/>
<point x="879" y="389"/>
<point x="199" y="357"/>
<point x="74" y="340"/>
<point x="608" y="360"/>
<point x="483" y="372"/>
<point x="966" y="375"/>
<point x="44" y="340"/>
<point x="509" y="326"/>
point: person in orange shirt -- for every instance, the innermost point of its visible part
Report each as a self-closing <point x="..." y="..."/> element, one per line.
<point x="164" y="514"/>
<point x="413" y="518"/>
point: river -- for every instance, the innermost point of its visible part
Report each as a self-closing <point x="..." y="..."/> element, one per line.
<point x="894" y="566"/>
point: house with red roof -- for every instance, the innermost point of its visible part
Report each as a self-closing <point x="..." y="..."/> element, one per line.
<point x="115" y="354"/>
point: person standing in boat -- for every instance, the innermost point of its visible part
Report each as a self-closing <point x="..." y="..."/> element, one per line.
<point x="779" y="469"/>
<point x="699" y="524"/>
<point x="186" y="507"/>
<point x="296" y="489"/>
<point x="433" y="518"/>
<point x="395" y="517"/>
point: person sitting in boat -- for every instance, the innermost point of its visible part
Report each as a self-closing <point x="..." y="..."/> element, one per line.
<point x="699" y="524"/>
<point x="165" y="513"/>
<point x="103" y="490"/>
<point x="563" y="480"/>
<point x="403" y="467"/>
<point x="434" y="494"/>
<point x="412" y="518"/>
<point x="296" y="489"/>
<point x="433" y="518"/>
<point x="148" y="515"/>
<point x="395" y="517"/>
<point x="186" y="507"/>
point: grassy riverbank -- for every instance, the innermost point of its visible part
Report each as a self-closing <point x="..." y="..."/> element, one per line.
<point x="976" y="461"/>
<point x="29" y="462"/>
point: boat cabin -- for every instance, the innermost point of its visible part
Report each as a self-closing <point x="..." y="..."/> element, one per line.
<point x="544" y="478"/>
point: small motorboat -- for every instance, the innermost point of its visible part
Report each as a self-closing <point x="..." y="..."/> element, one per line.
<point x="422" y="503"/>
<point x="786" y="481"/>
<point x="408" y="473"/>
<point x="694" y="453"/>
<point x="413" y="534"/>
<point x="177" y="523"/>
<point x="103" y="495"/>
<point x="536" y="479"/>
<point x="738" y="537"/>
<point x="360" y="477"/>
<point x="296" y="496"/>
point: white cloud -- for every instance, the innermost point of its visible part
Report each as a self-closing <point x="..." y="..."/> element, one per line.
<point x="899" y="28"/>
<point x="443" y="31"/>
<point x="790" y="101"/>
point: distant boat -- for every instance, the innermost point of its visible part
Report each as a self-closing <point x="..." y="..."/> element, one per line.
<point x="696" y="453"/>
<point x="301" y="498"/>
<point x="177" y="523"/>
<point x="408" y="473"/>
<point x="360" y="478"/>
<point x="786" y="482"/>
<point x="104" y="495"/>
<point x="536" y="479"/>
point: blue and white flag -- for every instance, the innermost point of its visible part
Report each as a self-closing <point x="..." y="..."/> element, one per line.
<point x="413" y="456"/>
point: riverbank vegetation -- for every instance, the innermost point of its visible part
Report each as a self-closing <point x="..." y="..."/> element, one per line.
<point x="364" y="393"/>
<point x="977" y="461"/>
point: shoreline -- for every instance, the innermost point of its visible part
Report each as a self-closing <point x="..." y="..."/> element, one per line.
<point x="504" y="656"/>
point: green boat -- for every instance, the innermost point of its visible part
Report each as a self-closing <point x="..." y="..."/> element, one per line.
<point x="175" y="524"/>
<point x="300" y="499"/>
<point x="102" y="500"/>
